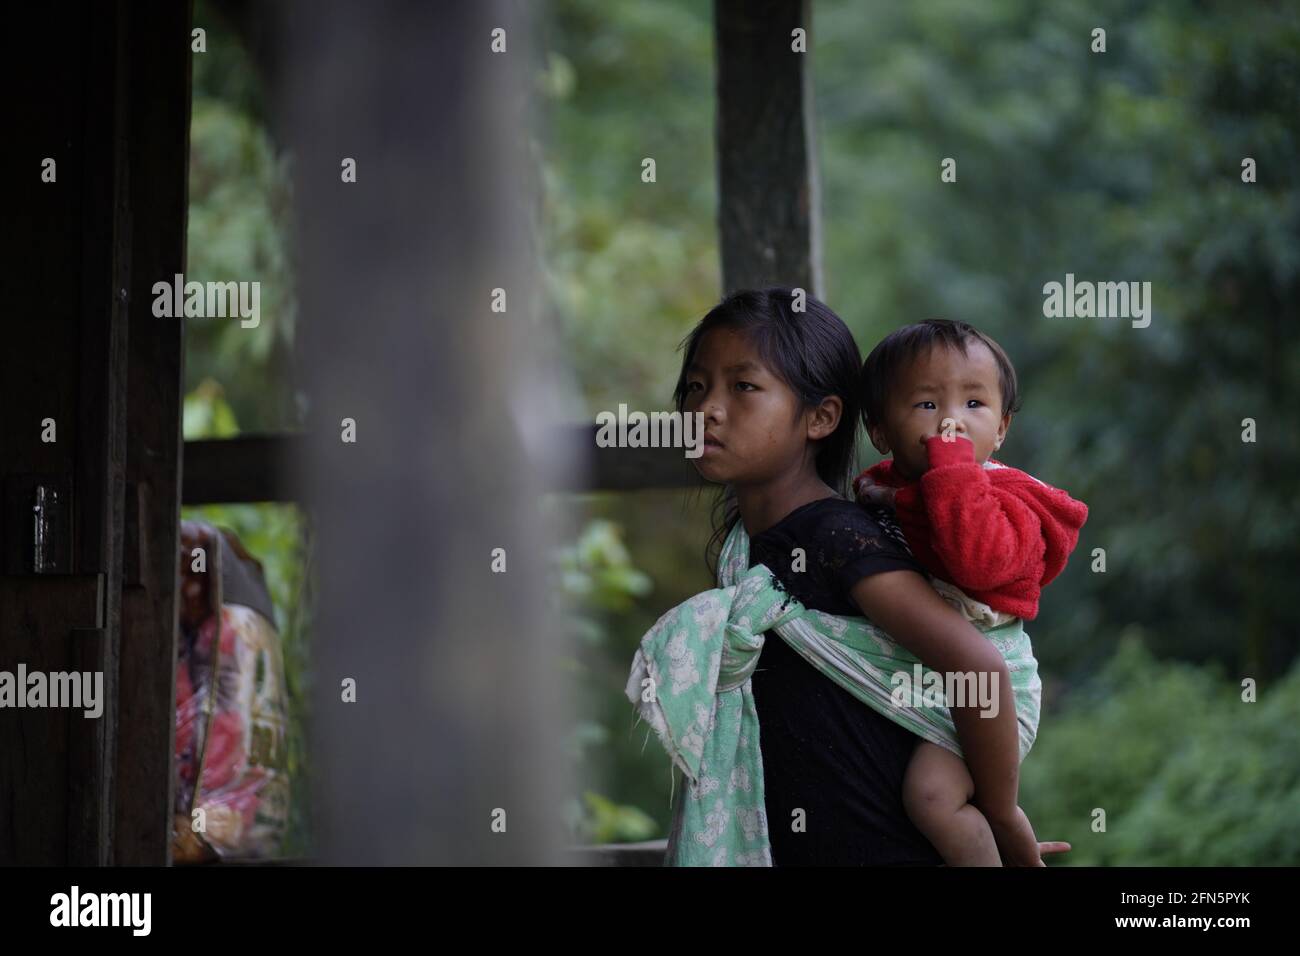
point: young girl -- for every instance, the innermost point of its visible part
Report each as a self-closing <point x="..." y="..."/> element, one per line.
<point x="777" y="389"/>
<point x="939" y="397"/>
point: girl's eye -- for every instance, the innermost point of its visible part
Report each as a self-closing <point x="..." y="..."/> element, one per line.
<point x="690" y="386"/>
<point x="748" y="385"/>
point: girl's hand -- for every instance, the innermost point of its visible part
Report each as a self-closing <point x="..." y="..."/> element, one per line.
<point x="905" y="606"/>
<point x="870" y="493"/>
<point x="1017" y="843"/>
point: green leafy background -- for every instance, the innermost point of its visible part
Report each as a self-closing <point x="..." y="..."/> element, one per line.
<point x="1114" y="166"/>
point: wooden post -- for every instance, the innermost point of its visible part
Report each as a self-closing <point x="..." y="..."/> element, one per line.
<point x="159" y="97"/>
<point x="101" y="427"/>
<point x="451" y="750"/>
<point x="769" y="193"/>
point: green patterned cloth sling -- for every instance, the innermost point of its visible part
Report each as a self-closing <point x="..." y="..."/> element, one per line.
<point x="690" y="681"/>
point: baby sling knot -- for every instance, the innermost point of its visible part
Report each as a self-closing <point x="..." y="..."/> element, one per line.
<point x="757" y="604"/>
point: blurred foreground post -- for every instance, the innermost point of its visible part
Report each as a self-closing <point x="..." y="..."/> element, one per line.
<point x="451" y="752"/>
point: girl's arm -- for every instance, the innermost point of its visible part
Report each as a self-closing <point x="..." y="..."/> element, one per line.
<point x="903" y="604"/>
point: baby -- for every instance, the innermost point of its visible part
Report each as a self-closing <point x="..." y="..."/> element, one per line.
<point x="939" y="396"/>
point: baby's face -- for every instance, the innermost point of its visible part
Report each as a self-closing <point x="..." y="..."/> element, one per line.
<point x="943" y="386"/>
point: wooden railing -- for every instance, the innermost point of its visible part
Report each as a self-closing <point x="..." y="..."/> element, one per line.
<point x="255" y="468"/>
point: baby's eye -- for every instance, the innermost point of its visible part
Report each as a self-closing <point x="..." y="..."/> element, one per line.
<point x="928" y="406"/>
<point x="973" y="403"/>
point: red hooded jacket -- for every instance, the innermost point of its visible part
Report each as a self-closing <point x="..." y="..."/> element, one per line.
<point x="999" y="534"/>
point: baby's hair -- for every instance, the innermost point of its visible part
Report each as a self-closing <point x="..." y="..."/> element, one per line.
<point x="902" y="346"/>
<point x="813" y="352"/>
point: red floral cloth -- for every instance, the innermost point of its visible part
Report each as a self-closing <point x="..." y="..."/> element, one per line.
<point x="231" y="718"/>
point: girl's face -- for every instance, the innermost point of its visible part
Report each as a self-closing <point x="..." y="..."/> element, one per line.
<point x="755" y="428"/>
<point x="940" y="385"/>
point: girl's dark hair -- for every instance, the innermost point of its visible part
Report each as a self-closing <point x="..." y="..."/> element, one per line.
<point x="900" y="347"/>
<point x="811" y="351"/>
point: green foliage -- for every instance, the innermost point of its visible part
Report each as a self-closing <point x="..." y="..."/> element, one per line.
<point x="1187" y="772"/>
<point x="239" y="214"/>
<point x="1123" y="165"/>
<point x="239" y="379"/>
<point x="207" y="414"/>
<point x="598" y="571"/>
<point x="594" y="580"/>
<point x="609" y="822"/>
<point x="1117" y="166"/>
<point x="627" y="263"/>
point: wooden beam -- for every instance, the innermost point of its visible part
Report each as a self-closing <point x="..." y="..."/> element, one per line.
<point x="616" y="469"/>
<point x="102" y="426"/>
<point x="260" y="467"/>
<point x="237" y="470"/>
<point x="649" y="853"/>
<point x="769" y="192"/>
<point x="158" y="187"/>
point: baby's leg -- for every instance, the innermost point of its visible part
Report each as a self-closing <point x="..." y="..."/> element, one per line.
<point x="936" y="792"/>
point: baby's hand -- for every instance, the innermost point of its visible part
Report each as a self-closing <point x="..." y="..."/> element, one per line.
<point x="870" y="493"/>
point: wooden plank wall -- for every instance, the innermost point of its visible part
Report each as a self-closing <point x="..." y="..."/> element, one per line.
<point x="102" y="88"/>
<point x="59" y="364"/>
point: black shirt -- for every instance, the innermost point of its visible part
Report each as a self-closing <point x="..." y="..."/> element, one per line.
<point x="823" y="749"/>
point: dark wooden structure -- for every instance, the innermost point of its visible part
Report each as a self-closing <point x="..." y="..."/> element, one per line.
<point x="90" y="519"/>
<point x="89" y="526"/>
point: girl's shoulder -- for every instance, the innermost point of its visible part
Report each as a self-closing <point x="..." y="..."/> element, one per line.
<point x="845" y="530"/>
<point x="841" y="542"/>
<point x="845" y="525"/>
<point x="817" y="519"/>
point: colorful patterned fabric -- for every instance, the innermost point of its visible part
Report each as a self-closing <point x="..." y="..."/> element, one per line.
<point x="690" y="681"/>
